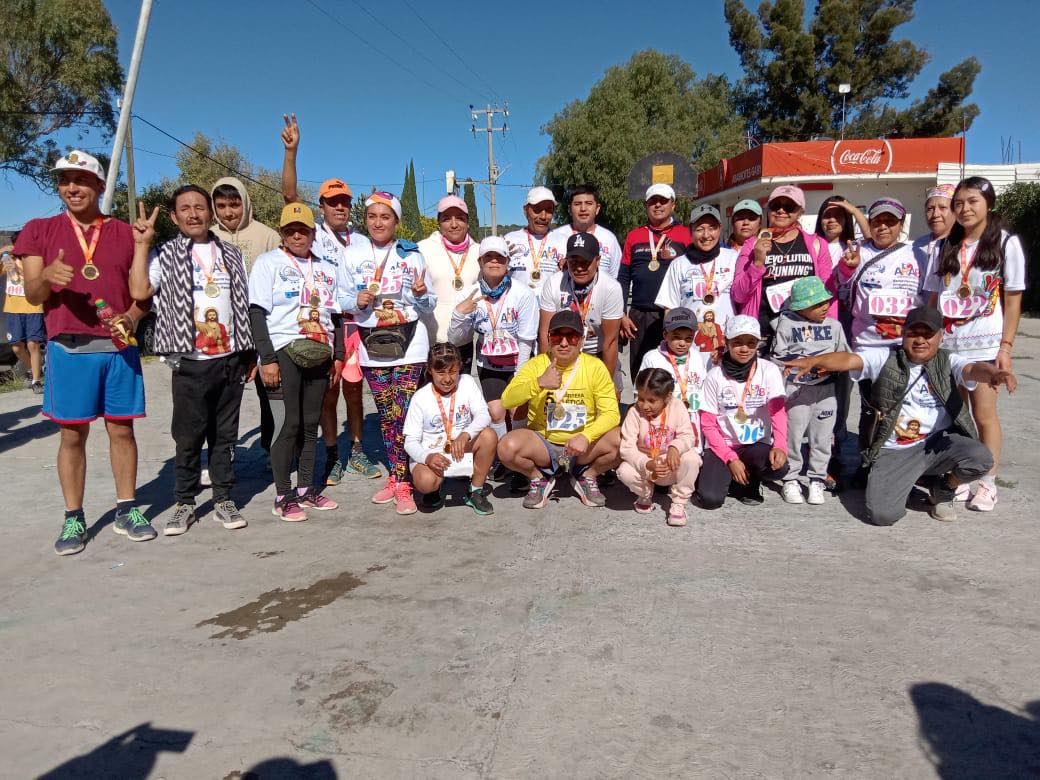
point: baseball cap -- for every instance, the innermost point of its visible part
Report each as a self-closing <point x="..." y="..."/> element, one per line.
<point x="493" y="244"/>
<point x="748" y="205"/>
<point x="924" y="315"/>
<point x="568" y="318"/>
<point x="886" y="206"/>
<point x="79" y="161"/>
<point x="680" y="317"/>
<point x="583" y="245"/>
<point x="808" y="291"/>
<point x="789" y="191"/>
<point x="296" y="212"/>
<point x="330" y="188"/>
<point x="705" y="210"/>
<point x="539" y="195"/>
<point x="662" y="189"/>
<point x="743" y="325"/>
<point x="452" y="202"/>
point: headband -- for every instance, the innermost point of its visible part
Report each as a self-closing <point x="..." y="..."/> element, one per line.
<point x="387" y="199"/>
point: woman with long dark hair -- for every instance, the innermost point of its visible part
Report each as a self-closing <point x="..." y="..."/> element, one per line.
<point x="977" y="283"/>
<point x="836" y="221"/>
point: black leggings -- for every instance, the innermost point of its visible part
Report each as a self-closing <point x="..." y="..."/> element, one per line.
<point x="296" y="408"/>
<point x="714" y="480"/>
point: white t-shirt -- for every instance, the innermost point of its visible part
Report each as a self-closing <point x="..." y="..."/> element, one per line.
<point x="214" y="323"/>
<point x="978" y="321"/>
<point x="396" y="302"/>
<point x="922" y="412"/>
<point x="685" y="284"/>
<point x="925" y="250"/>
<point x="605" y="302"/>
<point x="508" y="345"/>
<point x="694" y="369"/>
<point x="526" y="250"/>
<point x="424" y="427"/>
<point x="440" y="277"/>
<point x="885" y="292"/>
<point x="609" y="248"/>
<point x="722" y="396"/>
<point x="285" y="287"/>
<point x="330" y="249"/>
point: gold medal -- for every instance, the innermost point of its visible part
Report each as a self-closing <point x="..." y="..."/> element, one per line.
<point x="457" y="284"/>
<point x="741" y="416"/>
<point x="374" y="288"/>
<point x="90" y="272"/>
<point x="964" y="292"/>
<point x="314" y="300"/>
<point x="536" y="274"/>
<point x="653" y="265"/>
<point x="559" y="413"/>
<point x="212" y="290"/>
<point x="708" y="298"/>
<point x="765" y="234"/>
<point x="447" y="448"/>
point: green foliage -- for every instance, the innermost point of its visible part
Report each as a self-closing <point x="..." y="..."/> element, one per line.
<point x="60" y="70"/>
<point x="470" y="196"/>
<point x="410" y="203"/>
<point x="654" y="102"/>
<point x="357" y="215"/>
<point x="791" y="74"/>
<point x="1019" y="206"/>
<point x="427" y="225"/>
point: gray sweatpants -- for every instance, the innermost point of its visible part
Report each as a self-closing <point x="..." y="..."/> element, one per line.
<point x="894" y="473"/>
<point x="810" y="409"/>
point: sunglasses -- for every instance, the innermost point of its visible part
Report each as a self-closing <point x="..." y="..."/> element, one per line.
<point x="541" y="208"/>
<point x="558" y="337"/>
<point x="785" y="206"/>
<point x="295" y="229"/>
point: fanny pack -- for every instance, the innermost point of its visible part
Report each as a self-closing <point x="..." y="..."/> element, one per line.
<point x="389" y="342"/>
<point x="308" y="353"/>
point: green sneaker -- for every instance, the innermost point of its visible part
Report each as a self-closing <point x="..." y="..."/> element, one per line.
<point x="360" y="464"/>
<point x="335" y="474"/>
<point x="478" y="502"/>
<point x="134" y="526"/>
<point x="73" y="536"/>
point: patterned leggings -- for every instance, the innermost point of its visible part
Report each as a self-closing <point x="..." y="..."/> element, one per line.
<point x="392" y="388"/>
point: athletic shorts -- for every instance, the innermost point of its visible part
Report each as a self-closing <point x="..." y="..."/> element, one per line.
<point x="82" y="386"/>
<point x="25" y="327"/>
<point x="554" y="451"/>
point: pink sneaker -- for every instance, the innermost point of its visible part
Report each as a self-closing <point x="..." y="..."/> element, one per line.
<point x="386" y="493"/>
<point x="289" y="509"/>
<point x="985" y="498"/>
<point x="643" y="505"/>
<point x="313" y="499"/>
<point x="403" y="499"/>
<point x="677" y="515"/>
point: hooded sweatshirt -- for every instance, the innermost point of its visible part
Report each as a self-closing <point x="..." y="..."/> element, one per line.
<point x="252" y="238"/>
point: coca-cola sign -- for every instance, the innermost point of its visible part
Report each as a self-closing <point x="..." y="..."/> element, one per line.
<point x="873" y="156"/>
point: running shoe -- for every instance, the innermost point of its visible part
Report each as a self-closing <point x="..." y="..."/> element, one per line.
<point x="37" y="387"/>
<point x="289" y="509"/>
<point x="677" y="515"/>
<point x="73" y="537"/>
<point x="333" y="473"/>
<point x="643" y="506"/>
<point x="985" y="498"/>
<point x="134" y="526"/>
<point x="313" y="499"/>
<point x="226" y="513"/>
<point x="359" y="464"/>
<point x="538" y="493"/>
<point x="403" y="501"/>
<point x="793" y="492"/>
<point x="815" y="492"/>
<point x="183" y="516"/>
<point x="387" y="493"/>
<point x="478" y="502"/>
<point x="588" y="491"/>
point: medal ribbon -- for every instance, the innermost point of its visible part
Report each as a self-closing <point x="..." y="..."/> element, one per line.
<point x="747" y="386"/>
<point x="541" y="250"/>
<point x="493" y="315"/>
<point x="684" y="381"/>
<point x="451" y="258"/>
<point x="88" y="251"/>
<point x="448" y="418"/>
<point x="378" y="275"/>
<point x="966" y="264"/>
<point x="583" y="308"/>
<point x="709" y="278"/>
<point x="656" y="435"/>
<point x="561" y="393"/>
<point x="207" y="272"/>
<point x="655" y="248"/>
<point x="308" y="278"/>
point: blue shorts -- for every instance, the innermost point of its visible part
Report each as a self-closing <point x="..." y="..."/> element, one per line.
<point x="25" y="327"/>
<point x="82" y="386"/>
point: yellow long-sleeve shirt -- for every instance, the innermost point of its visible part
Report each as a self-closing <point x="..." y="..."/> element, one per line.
<point x="592" y="386"/>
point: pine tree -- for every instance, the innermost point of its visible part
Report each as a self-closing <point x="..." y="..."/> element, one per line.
<point x="410" y="204"/>
<point x="470" y="197"/>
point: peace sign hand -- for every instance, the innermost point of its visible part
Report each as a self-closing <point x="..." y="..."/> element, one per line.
<point x="291" y="133"/>
<point x="469" y="304"/>
<point x="144" y="227"/>
<point x="419" y="285"/>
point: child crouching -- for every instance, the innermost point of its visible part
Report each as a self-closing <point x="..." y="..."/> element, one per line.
<point x="658" y="445"/>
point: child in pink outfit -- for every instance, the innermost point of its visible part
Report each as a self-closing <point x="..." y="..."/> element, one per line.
<point x="659" y="445"/>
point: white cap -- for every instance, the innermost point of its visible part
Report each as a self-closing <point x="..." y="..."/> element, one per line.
<point x="539" y="195"/>
<point x="664" y="190"/>
<point x="743" y="325"/>
<point x="79" y="161"/>
<point x="493" y="244"/>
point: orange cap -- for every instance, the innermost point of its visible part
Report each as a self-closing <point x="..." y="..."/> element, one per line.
<point x="330" y="188"/>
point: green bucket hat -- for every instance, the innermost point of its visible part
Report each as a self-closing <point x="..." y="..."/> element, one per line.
<point x="808" y="292"/>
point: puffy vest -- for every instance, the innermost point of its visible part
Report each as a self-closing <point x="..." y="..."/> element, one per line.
<point x="888" y="389"/>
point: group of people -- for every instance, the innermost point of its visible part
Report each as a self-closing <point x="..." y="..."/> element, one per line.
<point x="742" y="352"/>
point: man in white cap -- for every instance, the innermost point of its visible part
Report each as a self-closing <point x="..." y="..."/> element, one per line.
<point x="649" y="250"/>
<point x="451" y="271"/>
<point x="76" y="264"/>
<point x="584" y="206"/>
<point x="530" y="261"/>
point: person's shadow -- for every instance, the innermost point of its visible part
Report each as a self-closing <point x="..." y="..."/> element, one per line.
<point x="130" y="755"/>
<point x="964" y="738"/>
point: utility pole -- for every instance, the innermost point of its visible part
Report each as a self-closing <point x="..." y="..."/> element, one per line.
<point x="493" y="171"/>
<point x="131" y="195"/>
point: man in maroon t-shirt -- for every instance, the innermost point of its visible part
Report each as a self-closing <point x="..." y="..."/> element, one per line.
<point x="77" y="265"/>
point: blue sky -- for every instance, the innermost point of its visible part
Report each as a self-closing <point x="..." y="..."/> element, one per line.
<point x="231" y="69"/>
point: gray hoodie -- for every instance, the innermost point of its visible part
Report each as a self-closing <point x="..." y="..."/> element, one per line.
<point x="252" y="238"/>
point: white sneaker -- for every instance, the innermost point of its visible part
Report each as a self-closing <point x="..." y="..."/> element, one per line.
<point x="793" y="492"/>
<point x="815" y="492"/>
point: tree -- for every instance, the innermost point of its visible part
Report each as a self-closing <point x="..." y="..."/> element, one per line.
<point x="410" y="203"/>
<point x="61" y="70"/>
<point x="654" y="102"/>
<point x="470" y="196"/>
<point x="791" y="74"/>
<point x="1019" y="206"/>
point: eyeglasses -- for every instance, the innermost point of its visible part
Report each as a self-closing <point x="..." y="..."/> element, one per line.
<point x="558" y="337"/>
<point x="785" y="206"/>
<point x="541" y="208"/>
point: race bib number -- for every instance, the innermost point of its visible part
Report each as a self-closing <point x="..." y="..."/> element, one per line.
<point x="956" y="308"/>
<point x="750" y="432"/>
<point x="389" y="284"/>
<point x="574" y="418"/>
<point x="694" y="401"/>
<point x="778" y="294"/>
<point x="889" y="303"/>
<point x="501" y="351"/>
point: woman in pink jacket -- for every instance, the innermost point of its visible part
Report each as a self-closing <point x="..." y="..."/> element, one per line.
<point x="768" y="267"/>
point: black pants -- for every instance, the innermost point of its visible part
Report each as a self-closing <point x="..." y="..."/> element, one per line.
<point x="714" y="480"/>
<point x="207" y="397"/>
<point x="266" y="418"/>
<point x="493" y="383"/>
<point x="296" y="408"/>
<point x="866" y="414"/>
<point x="649" y="332"/>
